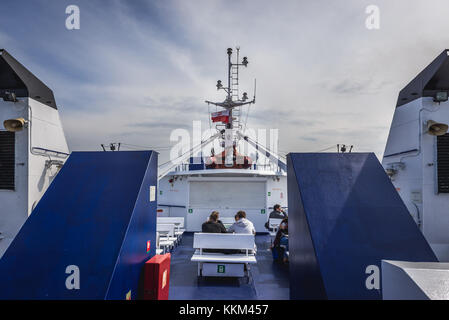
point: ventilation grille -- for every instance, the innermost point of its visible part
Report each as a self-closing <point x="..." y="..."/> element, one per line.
<point x="443" y="163"/>
<point x="7" y="160"/>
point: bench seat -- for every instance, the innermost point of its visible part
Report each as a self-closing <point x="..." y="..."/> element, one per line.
<point x="166" y="243"/>
<point x="216" y="264"/>
<point x="223" y="258"/>
<point x="174" y="239"/>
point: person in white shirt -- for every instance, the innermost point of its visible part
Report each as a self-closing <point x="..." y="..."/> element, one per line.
<point x="242" y="225"/>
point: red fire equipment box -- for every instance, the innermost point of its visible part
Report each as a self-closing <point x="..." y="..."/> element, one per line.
<point x="157" y="277"/>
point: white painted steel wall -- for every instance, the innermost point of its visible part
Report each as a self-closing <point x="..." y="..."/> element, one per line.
<point x="174" y="198"/>
<point x="14" y="204"/>
<point x="416" y="182"/>
<point x="402" y="280"/>
<point x="32" y="178"/>
<point x="47" y="133"/>
<point x="227" y="194"/>
<point x="253" y="189"/>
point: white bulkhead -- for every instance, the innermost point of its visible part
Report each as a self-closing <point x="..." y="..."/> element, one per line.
<point x="30" y="157"/>
<point x="195" y="196"/>
<point x="416" y="156"/>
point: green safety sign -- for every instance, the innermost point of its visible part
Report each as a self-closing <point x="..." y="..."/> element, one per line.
<point x="190" y="210"/>
<point x="221" y="268"/>
<point x="269" y="194"/>
<point x="262" y="211"/>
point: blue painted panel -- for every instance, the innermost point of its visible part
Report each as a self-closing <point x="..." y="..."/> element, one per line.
<point x="344" y="216"/>
<point x="96" y="215"/>
<point x="196" y="163"/>
<point x="142" y="228"/>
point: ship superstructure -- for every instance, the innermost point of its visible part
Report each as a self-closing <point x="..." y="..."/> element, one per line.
<point x="417" y="152"/>
<point x="195" y="184"/>
<point x="338" y="203"/>
<point x="32" y="144"/>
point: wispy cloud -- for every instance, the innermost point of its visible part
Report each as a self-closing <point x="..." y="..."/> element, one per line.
<point x="138" y="69"/>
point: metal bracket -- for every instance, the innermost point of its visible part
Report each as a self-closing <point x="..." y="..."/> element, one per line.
<point x="50" y="163"/>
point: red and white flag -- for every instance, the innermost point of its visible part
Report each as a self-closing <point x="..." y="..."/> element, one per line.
<point x="221" y="116"/>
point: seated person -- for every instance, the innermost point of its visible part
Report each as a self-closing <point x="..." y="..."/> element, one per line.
<point x="280" y="243"/>
<point x="213" y="225"/>
<point x="277" y="213"/>
<point x="242" y="225"/>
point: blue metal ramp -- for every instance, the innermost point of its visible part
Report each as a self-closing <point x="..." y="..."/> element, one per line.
<point x="90" y="233"/>
<point x="345" y="216"/>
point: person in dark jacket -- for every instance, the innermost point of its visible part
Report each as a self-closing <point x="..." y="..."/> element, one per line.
<point x="280" y="243"/>
<point x="277" y="213"/>
<point x="213" y="225"/>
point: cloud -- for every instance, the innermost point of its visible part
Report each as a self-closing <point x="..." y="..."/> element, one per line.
<point x="136" y="70"/>
<point x="358" y="86"/>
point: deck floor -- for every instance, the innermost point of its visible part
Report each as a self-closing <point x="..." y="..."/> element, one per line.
<point x="270" y="281"/>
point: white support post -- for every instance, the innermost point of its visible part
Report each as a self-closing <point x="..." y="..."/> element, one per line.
<point x="229" y="148"/>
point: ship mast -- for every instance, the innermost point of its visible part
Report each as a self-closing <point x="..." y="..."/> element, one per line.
<point x="232" y="106"/>
<point x="229" y="130"/>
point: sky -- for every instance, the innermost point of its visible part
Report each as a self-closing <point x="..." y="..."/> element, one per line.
<point x="136" y="70"/>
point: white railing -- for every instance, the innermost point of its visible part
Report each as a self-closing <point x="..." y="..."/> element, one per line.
<point x="257" y="167"/>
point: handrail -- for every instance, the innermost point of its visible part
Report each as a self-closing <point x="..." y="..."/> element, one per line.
<point x="58" y="153"/>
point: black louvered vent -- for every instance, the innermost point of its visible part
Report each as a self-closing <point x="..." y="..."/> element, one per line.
<point x="7" y="160"/>
<point x="443" y="163"/>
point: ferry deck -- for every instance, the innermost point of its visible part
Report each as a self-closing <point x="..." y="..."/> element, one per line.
<point x="269" y="280"/>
